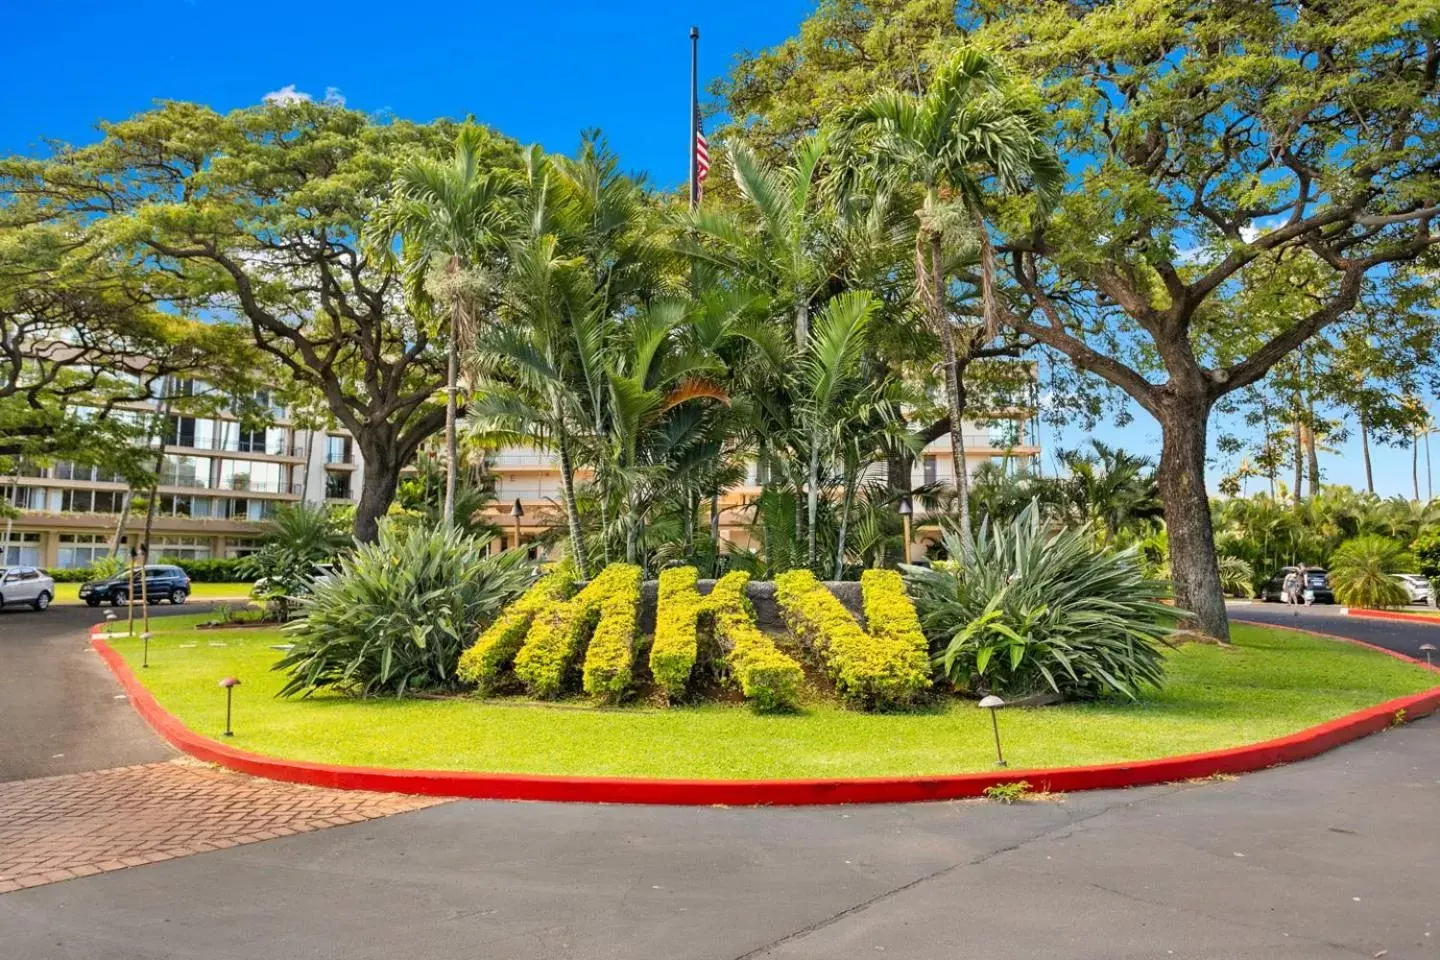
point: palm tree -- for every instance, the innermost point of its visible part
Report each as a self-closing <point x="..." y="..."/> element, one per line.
<point x="452" y="217"/>
<point x="971" y="133"/>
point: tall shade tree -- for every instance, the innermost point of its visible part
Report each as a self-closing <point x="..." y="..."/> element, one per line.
<point x="257" y="216"/>
<point x="971" y="134"/>
<point x="454" y="218"/>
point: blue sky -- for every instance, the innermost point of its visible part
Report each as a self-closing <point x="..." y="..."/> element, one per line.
<point x="539" y="71"/>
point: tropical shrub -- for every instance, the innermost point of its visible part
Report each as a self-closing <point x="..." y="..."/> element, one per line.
<point x="213" y="570"/>
<point x="768" y="677"/>
<point x="1361" y="572"/>
<point x="868" y="670"/>
<point x="547" y="658"/>
<point x="397" y="613"/>
<point x="677" y="627"/>
<point x="610" y="658"/>
<point x="1236" y="576"/>
<point x="493" y="652"/>
<point x="298" y="539"/>
<point x="1030" y="608"/>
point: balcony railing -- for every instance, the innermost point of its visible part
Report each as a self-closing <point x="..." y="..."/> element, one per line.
<point x="339" y="456"/>
<point x="243" y="484"/>
<point x="523" y="460"/>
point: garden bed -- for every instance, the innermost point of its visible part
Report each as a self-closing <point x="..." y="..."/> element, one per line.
<point x="1273" y="683"/>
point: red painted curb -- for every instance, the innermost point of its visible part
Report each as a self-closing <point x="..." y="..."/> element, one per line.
<point x="506" y="786"/>
<point x="1392" y="615"/>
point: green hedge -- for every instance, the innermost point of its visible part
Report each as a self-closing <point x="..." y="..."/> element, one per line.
<point x="677" y="617"/>
<point x="890" y="613"/>
<point x="769" y="679"/>
<point x="494" y="651"/>
<point x="226" y="570"/>
<point x="869" y="671"/>
<point x="558" y="634"/>
<point x="610" y="658"/>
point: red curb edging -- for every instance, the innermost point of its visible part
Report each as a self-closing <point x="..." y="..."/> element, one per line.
<point x="507" y="786"/>
<point x="1366" y="613"/>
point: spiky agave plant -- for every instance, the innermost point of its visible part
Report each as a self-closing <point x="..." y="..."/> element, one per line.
<point x="1025" y="608"/>
<point x="398" y="613"/>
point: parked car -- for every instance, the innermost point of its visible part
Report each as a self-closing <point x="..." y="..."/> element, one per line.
<point x="1418" y="586"/>
<point x="162" y="582"/>
<point x="1317" y="581"/>
<point x="26" y="585"/>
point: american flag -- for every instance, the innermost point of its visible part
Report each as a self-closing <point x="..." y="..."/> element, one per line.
<point x="702" y="160"/>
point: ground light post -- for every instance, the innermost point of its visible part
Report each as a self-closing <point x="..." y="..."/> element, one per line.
<point x="1427" y="649"/>
<point x="516" y="512"/>
<point x="993" y="703"/>
<point x="130" y="597"/>
<point x="906" y="509"/>
<point x="145" y="602"/>
<point x="229" y="684"/>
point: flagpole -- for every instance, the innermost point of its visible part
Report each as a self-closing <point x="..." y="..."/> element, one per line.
<point x="694" y="115"/>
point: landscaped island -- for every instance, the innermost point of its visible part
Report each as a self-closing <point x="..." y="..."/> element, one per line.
<point x="1271" y="683"/>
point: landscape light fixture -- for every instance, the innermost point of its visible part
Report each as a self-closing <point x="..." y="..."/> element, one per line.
<point x="109" y="621"/>
<point x="129" y="598"/>
<point x="906" y="510"/>
<point x="144" y="588"/>
<point x="229" y="683"/>
<point x="516" y="512"/>
<point x="1427" y="649"/>
<point x="145" y="658"/>
<point x="993" y="703"/>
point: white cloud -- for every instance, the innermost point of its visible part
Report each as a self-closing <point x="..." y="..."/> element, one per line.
<point x="333" y="97"/>
<point x="1249" y="233"/>
<point x="286" y="95"/>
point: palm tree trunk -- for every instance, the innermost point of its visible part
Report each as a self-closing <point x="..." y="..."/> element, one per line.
<point x="1429" y="479"/>
<point x="812" y="499"/>
<point x="572" y="510"/>
<point x="1299" y="458"/>
<point x="452" y="362"/>
<point x="1311" y="455"/>
<point x="955" y="400"/>
<point x="851" y="475"/>
<point x="1415" y="464"/>
<point x="1365" y="453"/>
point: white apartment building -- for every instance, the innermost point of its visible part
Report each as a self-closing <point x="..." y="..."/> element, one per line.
<point x="218" y="481"/>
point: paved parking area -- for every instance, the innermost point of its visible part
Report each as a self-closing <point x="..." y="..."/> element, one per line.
<point x="60" y="828"/>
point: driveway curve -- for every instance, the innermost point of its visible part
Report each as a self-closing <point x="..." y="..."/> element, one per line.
<point x="1401" y="636"/>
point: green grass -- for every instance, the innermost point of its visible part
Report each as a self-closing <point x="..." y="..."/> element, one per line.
<point x="1272" y="683"/>
<point x="70" y="592"/>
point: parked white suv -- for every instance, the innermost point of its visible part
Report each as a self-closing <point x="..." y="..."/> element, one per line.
<point x="26" y="585"/>
<point x="1418" y="586"/>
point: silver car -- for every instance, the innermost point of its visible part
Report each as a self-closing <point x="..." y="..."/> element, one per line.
<point x="26" y="585"/>
<point x="1418" y="586"/>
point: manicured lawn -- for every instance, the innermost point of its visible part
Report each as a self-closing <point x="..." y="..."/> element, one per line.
<point x="70" y="592"/>
<point x="1272" y="683"/>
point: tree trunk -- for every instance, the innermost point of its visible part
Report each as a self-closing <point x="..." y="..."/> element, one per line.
<point x="1415" y="464"/>
<point x="812" y="500"/>
<point x="452" y="361"/>
<point x="851" y="476"/>
<point x="955" y="402"/>
<point x="1181" y="478"/>
<point x="1299" y="459"/>
<point x="572" y="510"/>
<point x="802" y="321"/>
<point x="377" y="485"/>
<point x="120" y="523"/>
<point x="1365" y="453"/>
<point x="1311" y="455"/>
<point x="1429" y="479"/>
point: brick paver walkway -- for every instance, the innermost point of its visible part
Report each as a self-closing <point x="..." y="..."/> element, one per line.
<point x="59" y="828"/>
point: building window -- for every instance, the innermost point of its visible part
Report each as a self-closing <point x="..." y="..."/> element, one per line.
<point x="183" y="505"/>
<point x="932" y="471"/>
<point x="245" y="510"/>
<point x="242" y="548"/>
<point x="337" y="486"/>
<point x="185" y="471"/>
<point x="191" y="432"/>
<point x="181" y="548"/>
<point x="21" y="549"/>
<point x="251" y="475"/>
<point x="337" y="449"/>
<point x="81" y="549"/>
<point x="65" y="470"/>
<point x="26" y="498"/>
<point x="91" y="501"/>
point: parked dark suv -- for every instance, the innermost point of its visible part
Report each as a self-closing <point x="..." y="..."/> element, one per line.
<point x="1316" y="581"/>
<point x="162" y="582"/>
